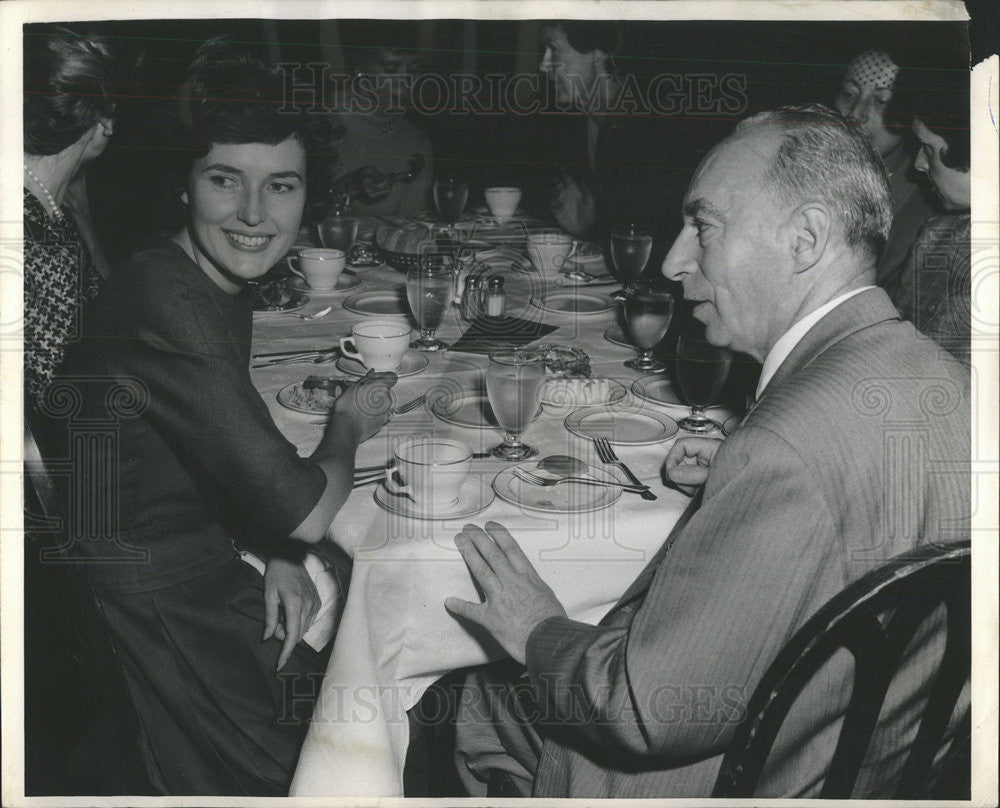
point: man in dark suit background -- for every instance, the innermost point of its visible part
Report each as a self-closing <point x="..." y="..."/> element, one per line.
<point x="857" y="450"/>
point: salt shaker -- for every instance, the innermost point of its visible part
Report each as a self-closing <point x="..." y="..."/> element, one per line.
<point x="495" y="300"/>
<point x="471" y="298"/>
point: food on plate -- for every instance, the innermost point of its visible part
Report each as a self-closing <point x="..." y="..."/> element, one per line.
<point x="273" y="296"/>
<point x="564" y="360"/>
<point x="405" y="237"/>
<point x="565" y="392"/>
<point x="318" y="393"/>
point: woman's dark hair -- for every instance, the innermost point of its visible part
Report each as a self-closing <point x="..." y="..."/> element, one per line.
<point x="236" y="98"/>
<point x="70" y="83"/>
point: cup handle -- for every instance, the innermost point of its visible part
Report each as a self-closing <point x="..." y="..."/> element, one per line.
<point x="291" y="265"/>
<point x="351" y="352"/>
<point x="394" y="486"/>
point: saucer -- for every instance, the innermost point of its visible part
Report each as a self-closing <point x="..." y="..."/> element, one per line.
<point x="474" y="496"/>
<point x="413" y="363"/>
<point x="565" y="498"/>
<point x="344" y="282"/>
<point x="625" y="427"/>
<point x="570" y="302"/>
<point x="385" y="303"/>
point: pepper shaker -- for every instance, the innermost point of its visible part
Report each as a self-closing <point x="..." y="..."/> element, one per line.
<point x="471" y="298"/>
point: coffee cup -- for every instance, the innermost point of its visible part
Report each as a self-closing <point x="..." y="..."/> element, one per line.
<point x="502" y="201"/>
<point x="432" y="471"/>
<point x="378" y="344"/>
<point x="550" y="251"/>
<point x="320" y="269"/>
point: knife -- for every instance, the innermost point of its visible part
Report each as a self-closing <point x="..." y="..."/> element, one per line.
<point x="302" y="351"/>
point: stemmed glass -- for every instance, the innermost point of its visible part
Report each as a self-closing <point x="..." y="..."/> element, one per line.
<point x="630" y="249"/>
<point x="648" y="313"/>
<point x="702" y="369"/>
<point x="514" y="385"/>
<point x="450" y="196"/>
<point x="429" y="292"/>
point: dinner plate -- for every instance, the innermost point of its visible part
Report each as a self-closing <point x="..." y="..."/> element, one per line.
<point x="731" y="424"/>
<point x="627" y="427"/>
<point x="384" y="302"/>
<point x="297" y="300"/>
<point x="413" y="363"/>
<point x="572" y="302"/>
<point x="470" y="410"/>
<point x="616" y="336"/>
<point x="344" y="282"/>
<point x="564" y="498"/>
<point x="661" y="390"/>
<point x="474" y="496"/>
<point x="286" y="396"/>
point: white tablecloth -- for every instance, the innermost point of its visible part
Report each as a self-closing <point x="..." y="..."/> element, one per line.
<point x="396" y="638"/>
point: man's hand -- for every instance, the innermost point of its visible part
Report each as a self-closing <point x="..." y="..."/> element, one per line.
<point x="572" y="204"/>
<point x="517" y="600"/>
<point x="290" y="603"/>
<point x="688" y="461"/>
<point x="372" y="184"/>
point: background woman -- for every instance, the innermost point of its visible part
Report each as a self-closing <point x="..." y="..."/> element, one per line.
<point x="875" y="94"/>
<point x="200" y="463"/>
<point x="935" y="287"/>
<point x="70" y="102"/>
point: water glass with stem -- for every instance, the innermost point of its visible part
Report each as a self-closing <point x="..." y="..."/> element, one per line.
<point x="702" y="369"/>
<point x="429" y="293"/>
<point x="630" y="249"/>
<point x="514" y="385"/>
<point x="648" y="313"/>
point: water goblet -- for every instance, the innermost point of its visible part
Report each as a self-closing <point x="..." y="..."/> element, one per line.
<point x="450" y="196"/>
<point x="630" y="249"/>
<point x="648" y="313"/>
<point x="514" y="385"/>
<point x="429" y="290"/>
<point x="702" y="369"/>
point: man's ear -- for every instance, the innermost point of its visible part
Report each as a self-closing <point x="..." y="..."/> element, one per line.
<point x="809" y="229"/>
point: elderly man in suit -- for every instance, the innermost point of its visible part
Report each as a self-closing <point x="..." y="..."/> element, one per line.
<point x="857" y="450"/>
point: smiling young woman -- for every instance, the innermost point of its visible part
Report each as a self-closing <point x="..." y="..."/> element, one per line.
<point x="198" y="463"/>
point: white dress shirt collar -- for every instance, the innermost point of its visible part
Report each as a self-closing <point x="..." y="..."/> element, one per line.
<point x="787" y="342"/>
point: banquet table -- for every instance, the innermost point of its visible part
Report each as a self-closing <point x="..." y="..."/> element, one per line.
<point x="395" y="638"/>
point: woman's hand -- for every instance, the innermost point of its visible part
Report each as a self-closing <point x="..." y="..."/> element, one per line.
<point x="688" y="461"/>
<point x="290" y="603"/>
<point x="572" y="204"/>
<point x="366" y="404"/>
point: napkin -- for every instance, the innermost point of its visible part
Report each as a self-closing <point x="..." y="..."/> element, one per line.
<point x="488" y="335"/>
<point x="321" y="629"/>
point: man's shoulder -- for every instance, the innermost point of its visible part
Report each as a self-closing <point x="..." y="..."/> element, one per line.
<point x="880" y="374"/>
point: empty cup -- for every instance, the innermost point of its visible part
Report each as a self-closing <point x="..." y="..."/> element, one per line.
<point x="550" y="251"/>
<point x="502" y="202"/>
<point x="320" y="269"/>
<point x="432" y="471"/>
<point x="378" y="344"/>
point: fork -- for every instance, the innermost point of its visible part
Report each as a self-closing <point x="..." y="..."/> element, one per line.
<point x="316" y="359"/>
<point x="609" y="458"/>
<point x="402" y="408"/>
<point x="535" y="479"/>
<point x="314" y="316"/>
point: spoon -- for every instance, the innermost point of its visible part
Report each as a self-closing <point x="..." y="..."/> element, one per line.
<point x="563" y="466"/>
